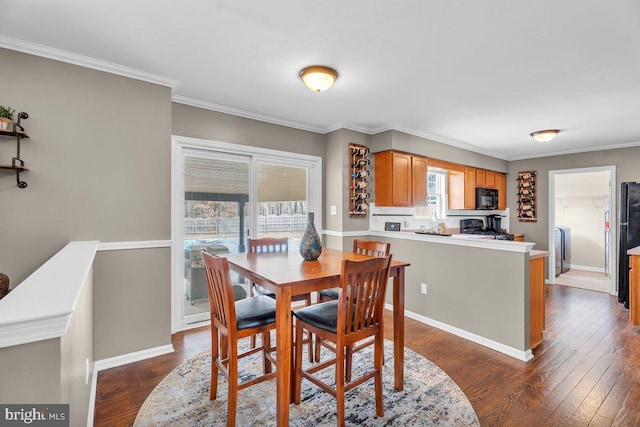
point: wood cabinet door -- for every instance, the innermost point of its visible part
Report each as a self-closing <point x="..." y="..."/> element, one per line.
<point x="401" y="170"/>
<point x="419" y="167"/>
<point x="480" y="178"/>
<point x="469" y="188"/>
<point x="456" y="189"/>
<point x="501" y="186"/>
<point x="490" y="179"/>
<point x="382" y="178"/>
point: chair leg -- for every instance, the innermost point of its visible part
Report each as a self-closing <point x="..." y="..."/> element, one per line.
<point x="213" y="387"/>
<point x="253" y="337"/>
<point x="309" y="334"/>
<point x="378" y="352"/>
<point x="232" y="397"/>
<point x="297" y="366"/>
<point x="266" y="347"/>
<point x="317" y="349"/>
<point x="348" y="363"/>
<point x="340" y="385"/>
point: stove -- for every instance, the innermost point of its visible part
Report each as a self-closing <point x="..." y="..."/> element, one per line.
<point x="476" y="226"/>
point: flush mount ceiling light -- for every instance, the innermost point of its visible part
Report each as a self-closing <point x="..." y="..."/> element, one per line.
<point x="318" y="77"/>
<point x="545" y="135"/>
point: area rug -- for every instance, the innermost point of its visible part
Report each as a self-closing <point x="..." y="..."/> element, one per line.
<point x="429" y="398"/>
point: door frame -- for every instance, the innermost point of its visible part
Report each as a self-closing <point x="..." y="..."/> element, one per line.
<point x="256" y="154"/>
<point x="613" y="222"/>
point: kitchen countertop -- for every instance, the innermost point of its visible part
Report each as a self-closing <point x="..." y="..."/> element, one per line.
<point x="500" y="245"/>
<point x="634" y="251"/>
<point x="535" y="254"/>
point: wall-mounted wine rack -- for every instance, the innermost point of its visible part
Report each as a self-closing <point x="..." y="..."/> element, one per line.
<point x="359" y="185"/>
<point x="527" y="196"/>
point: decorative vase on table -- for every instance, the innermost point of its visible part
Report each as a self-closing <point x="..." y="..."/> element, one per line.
<point x="310" y="245"/>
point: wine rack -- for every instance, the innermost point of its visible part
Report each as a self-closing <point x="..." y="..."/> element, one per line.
<point x="526" y="186"/>
<point x="358" y="184"/>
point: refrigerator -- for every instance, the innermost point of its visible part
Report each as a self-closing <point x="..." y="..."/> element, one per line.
<point x="563" y="249"/>
<point x="629" y="234"/>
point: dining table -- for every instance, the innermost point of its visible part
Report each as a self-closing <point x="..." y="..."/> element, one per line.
<point x="287" y="274"/>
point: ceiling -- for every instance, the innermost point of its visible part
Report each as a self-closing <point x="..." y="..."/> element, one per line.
<point x="480" y="75"/>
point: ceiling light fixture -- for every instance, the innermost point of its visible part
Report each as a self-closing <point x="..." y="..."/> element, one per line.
<point x="544" y="135"/>
<point x="318" y="77"/>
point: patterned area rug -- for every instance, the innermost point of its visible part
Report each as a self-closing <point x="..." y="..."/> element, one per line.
<point x="429" y="397"/>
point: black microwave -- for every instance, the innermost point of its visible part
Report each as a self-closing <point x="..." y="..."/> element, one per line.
<point x="486" y="198"/>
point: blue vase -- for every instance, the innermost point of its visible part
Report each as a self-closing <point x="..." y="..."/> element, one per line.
<point x="311" y="244"/>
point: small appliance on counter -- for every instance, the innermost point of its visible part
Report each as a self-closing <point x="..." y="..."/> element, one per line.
<point x="391" y="226"/>
<point x="476" y="226"/>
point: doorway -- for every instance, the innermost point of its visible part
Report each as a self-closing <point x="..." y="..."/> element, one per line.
<point x="582" y="228"/>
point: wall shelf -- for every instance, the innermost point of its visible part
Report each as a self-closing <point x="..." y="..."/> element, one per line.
<point x="17" y="132"/>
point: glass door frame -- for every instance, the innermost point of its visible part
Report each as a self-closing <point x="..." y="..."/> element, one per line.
<point x="181" y="146"/>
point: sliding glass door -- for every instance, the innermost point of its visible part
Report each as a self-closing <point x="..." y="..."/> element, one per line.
<point x="221" y="197"/>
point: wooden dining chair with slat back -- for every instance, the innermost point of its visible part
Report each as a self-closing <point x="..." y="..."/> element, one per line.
<point x="273" y="244"/>
<point x="363" y="247"/>
<point x="231" y="321"/>
<point x="355" y="315"/>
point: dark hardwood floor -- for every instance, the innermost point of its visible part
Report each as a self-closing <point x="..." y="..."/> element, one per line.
<point x="586" y="371"/>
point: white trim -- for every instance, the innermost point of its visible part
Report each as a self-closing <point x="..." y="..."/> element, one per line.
<point x="613" y="222"/>
<point x="41" y="306"/>
<point x="92" y="397"/>
<point x="136" y="356"/>
<point x="525" y="356"/>
<point x="243" y="113"/>
<point x="586" y="268"/>
<point x="576" y="151"/>
<point x="84" y="61"/>
<point x="498" y="245"/>
<point x="345" y="233"/>
<point x="143" y="244"/>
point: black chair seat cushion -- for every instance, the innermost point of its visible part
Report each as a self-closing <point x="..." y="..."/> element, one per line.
<point x="254" y="312"/>
<point x="323" y="315"/>
<point x="330" y="293"/>
<point x="259" y="290"/>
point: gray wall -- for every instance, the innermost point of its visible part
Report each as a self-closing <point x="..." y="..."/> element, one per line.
<point x="482" y="291"/>
<point x="100" y="163"/>
<point x="401" y="141"/>
<point x="626" y="161"/>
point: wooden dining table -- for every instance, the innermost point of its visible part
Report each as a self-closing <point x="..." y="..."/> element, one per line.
<point x="287" y="274"/>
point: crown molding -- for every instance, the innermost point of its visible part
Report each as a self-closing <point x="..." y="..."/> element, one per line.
<point x="576" y="151"/>
<point x="84" y="61"/>
<point x="192" y="102"/>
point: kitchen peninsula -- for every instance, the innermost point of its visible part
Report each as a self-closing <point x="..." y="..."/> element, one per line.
<point x="475" y="288"/>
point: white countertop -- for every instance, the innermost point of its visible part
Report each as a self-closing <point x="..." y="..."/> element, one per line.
<point x="458" y="240"/>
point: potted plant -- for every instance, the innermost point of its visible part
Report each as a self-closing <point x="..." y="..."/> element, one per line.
<point x="6" y="116"/>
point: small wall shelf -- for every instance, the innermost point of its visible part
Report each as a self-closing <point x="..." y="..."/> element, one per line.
<point x="17" y="132"/>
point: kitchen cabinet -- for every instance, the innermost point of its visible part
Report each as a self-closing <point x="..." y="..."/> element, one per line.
<point x="518" y="237"/>
<point x="400" y="179"/>
<point x="634" y="285"/>
<point x="536" y="297"/>
<point x="469" y="188"/>
<point x="490" y="179"/>
<point x="480" y="178"/>
<point x="501" y="186"/>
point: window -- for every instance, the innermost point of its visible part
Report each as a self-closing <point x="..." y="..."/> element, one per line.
<point x="436" y="191"/>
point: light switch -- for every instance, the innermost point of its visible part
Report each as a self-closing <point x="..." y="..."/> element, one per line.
<point x="334" y="210"/>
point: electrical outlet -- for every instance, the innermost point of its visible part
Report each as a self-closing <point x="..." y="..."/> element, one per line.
<point x="423" y="288"/>
<point x="334" y="210"/>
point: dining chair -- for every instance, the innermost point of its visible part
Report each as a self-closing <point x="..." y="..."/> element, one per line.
<point x="231" y="321"/>
<point x="363" y="247"/>
<point x="355" y="315"/>
<point x="275" y="244"/>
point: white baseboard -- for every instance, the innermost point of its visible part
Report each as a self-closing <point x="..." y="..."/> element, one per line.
<point x="525" y="356"/>
<point x="585" y="268"/>
<point x="112" y="362"/>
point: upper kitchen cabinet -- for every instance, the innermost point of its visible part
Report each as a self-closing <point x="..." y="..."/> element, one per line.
<point x="400" y="179"/>
<point x="469" y="188"/>
<point x="501" y="186"/>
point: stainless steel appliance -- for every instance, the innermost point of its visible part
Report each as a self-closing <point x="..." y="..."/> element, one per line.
<point x="486" y="198"/>
<point x="563" y="249"/>
<point x="476" y="226"/>
<point x="629" y="234"/>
